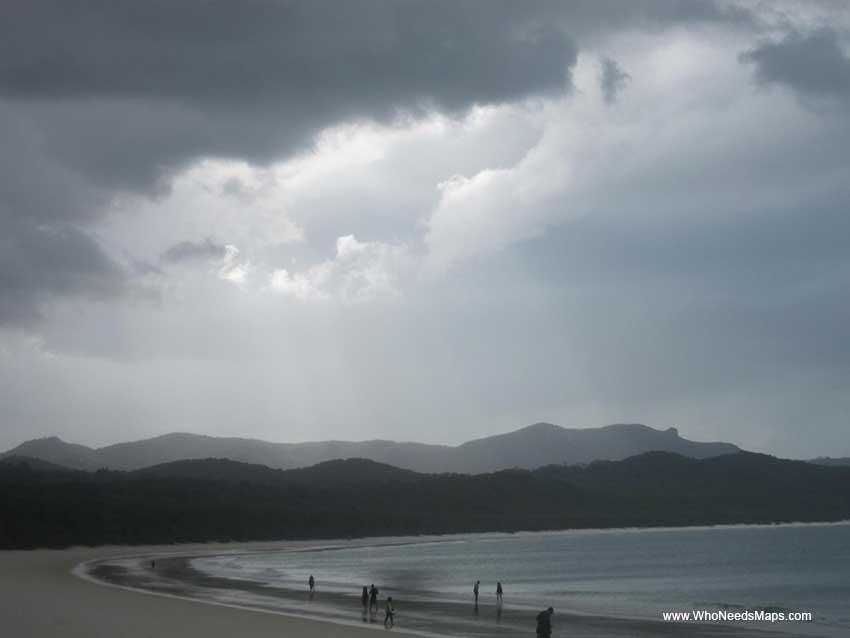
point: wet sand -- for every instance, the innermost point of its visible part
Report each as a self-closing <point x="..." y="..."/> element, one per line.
<point x="290" y="612"/>
<point x="40" y="597"/>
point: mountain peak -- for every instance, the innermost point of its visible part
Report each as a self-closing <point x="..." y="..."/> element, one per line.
<point x="44" y="440"/>
<point x="541" y="426"/>
<point x="54" y="450"/>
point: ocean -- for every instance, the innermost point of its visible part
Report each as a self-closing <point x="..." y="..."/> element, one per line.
<point x="636" y="574"/>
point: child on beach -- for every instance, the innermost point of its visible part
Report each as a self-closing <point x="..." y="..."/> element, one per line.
<point x="389" y="619"/>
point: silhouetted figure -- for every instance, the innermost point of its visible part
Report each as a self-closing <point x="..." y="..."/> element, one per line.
<point x="544" y="623"/>
<point x="389" y="619"/>
<point x="312" y="583"/>
<point x="373" y="598"/>
<point x="364" y="599"/>
<point x="153" y="564"/>
<point x="499" y="593"/>
<point x="475" y="591"/>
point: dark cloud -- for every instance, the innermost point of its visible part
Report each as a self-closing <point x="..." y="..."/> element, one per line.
<point x="811" y="63"/>
<point x="612" y="80"/>
<point x="148" y="86"/>
<point x="104" y="97"/>
<point x="194" y="251"/>
<point x="55" y="261"/>
<point x="293" y="52"/>
<point x="125" y="91"/>
<point x="43" y="250"/>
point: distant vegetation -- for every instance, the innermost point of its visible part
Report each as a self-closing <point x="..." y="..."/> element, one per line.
<point x="828" y="460"/>
<point x="221" y="500"/>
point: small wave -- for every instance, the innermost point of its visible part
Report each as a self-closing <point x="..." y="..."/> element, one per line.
<point x="270" y="571"/>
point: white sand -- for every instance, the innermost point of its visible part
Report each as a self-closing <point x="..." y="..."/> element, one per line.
<point x="41" y="598"/>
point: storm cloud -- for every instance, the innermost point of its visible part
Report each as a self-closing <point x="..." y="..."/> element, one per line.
<point x="194" y="251"/>
<point x="101" y="99"/>
<point x="126" y="92"/>
<point x="612" y="79"/>
<point x="424" y="220"/>
<point x="38" y="261"/>
<point x="812" y="63"/>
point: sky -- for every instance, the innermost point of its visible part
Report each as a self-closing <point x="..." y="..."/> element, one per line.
<point x="429" y="221"/>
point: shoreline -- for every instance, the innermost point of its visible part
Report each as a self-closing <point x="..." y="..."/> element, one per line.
<point x="174" y="577"/>
<point x="43" y="593"/>
<point x="41" y="597"/>
<point x="80" y="572"/>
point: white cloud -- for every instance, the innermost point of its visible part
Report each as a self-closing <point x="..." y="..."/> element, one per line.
<point x="232" y="268"/>
<point x="691" y="136"/>
<point x="228" y="201"/>
<point x="302" y="286"/>
<point x="359" y="271"/>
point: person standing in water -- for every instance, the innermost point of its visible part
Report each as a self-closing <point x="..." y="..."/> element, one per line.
<point x="373" y="598"/>
<point x="364" y="599"/>
<point x="389" y="619"/>
<point x="475" y="591"/>
<point x="544" y="623"/>
<point x="499" y="593"/>
<point x="312" y="583"/>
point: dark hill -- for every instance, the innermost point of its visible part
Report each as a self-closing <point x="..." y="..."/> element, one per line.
<point x="353" y="471"/>
<point x="219" y="500"/>
<point x="828" y="460"/>
<point x="34" y="464"/>
<point x="208" y="470"/>
<point x="55" y="450"/>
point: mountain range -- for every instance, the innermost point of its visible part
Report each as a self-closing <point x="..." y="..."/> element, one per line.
<point x="530" y="447"/>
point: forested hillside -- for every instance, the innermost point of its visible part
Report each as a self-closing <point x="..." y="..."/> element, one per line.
<point x="220" y="500"/>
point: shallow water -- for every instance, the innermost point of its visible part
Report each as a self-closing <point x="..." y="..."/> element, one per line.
<point x="624" y="573"/>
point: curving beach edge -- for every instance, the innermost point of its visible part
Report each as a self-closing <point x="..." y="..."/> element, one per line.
<point x="43" y="595"/>
<point x="84" y="592"/>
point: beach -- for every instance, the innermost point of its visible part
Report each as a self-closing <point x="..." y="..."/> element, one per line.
<point x="41" y="596"/>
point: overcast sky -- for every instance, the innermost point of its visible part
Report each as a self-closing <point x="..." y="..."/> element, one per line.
<point x="425" y="221"/>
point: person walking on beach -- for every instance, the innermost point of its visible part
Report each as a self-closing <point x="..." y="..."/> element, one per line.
<point x="389" y="619"/>
<point x="364" y="599"/>
<point x="544" y="623"/>
<point x="312" y="583"/>
<point x="373" y="598"/>
<point x="475" y="591"/>
<point x="499" y="593"/>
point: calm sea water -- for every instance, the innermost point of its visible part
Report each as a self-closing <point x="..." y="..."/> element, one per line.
<point x="629" y="573"/>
